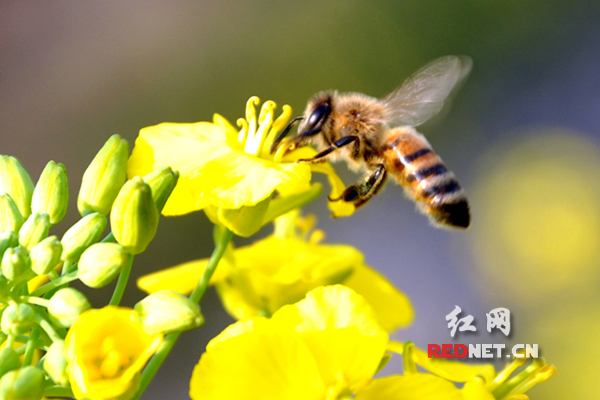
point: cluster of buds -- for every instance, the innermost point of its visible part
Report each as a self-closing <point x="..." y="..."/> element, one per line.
<point x="37" y="308"/>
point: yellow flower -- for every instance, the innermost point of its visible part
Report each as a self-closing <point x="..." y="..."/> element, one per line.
<point x="480" y="380"/>
<point x="327" y="346"/>
<point x="106" y="350"/>
<point x="280" y="269"/>
<point x="223" y="168"/>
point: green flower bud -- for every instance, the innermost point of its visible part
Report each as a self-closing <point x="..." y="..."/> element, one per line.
<point x="34" y="230"/>
<point x="51" y="194"/>
<point x="7" y="240"/>
<point x="87" y="231"/>
<point x="104" y="177"/>
<point x="162" y="182"/>
<point x="23" y="384"/>
<point x="102" y="262"/>
<point x="15" y="181"/>
<point x="66" y="305"/>
<point x="10" y="216"/>
<point x="167" y="312"/>
<point x="14" y="262"/>
<point x="9" y="360"/>
<point x="134" y="217"/>
<point x="45" y="256"/>
<point x="17" y="319"/>
<point x="55" y="363"/>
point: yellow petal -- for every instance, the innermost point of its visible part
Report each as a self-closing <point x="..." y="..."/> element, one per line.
<point x="341" y="331"/>
<point x="412" y="387"/>
<point x="244" y="221"/>
<point x="185" y="148"/>
<point x="275" y="271"/>
<point x="181" y="278"/>
<point x="391" y="306"/>
<point x="339" y="208"/>
<point x="237" y="179"/>
<point x="259" y="364"/>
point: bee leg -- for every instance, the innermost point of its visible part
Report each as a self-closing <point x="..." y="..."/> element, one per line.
<point x="346" y="140"/>
<point x="360" y="192"/>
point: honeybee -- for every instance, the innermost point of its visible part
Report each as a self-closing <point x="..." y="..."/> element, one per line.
<point x="378" y="135"/>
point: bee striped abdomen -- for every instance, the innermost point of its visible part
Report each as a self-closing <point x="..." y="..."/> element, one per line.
<point x="425" y="178"/>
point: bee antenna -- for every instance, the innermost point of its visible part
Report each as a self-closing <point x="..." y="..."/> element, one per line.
<point x="284" y="133"/>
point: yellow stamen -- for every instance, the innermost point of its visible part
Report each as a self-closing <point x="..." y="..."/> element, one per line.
<point x="539" y="376"/>
<point x="279" y="124"/>
<point x="410" y="367"/>
<point x="251" y="119"/>
<point x="506" y="373"/>
<point x="281" y="150"/>
<point x="317" y="236"/>
<point x="242" y="123"/>
<point x="266" y="119"/>
<point x="111" y="365"/>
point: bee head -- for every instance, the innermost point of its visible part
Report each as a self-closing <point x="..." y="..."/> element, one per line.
<point x="314" y="118"/>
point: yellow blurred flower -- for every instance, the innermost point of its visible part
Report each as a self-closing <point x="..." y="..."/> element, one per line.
<point x="327" y="346"/>
<point x="106" y="350"/>
<point x="280" y="269"/>
<point x="223" y="168"/>
<point x="480" y="380"/>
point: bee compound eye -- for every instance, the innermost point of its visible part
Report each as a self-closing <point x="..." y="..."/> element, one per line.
<point x="317" y="117"/>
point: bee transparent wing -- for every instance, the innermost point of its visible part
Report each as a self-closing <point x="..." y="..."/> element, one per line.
<point x="424" y="93"/>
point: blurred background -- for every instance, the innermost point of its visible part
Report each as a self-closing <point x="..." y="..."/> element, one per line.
<point x="522" y="136"/>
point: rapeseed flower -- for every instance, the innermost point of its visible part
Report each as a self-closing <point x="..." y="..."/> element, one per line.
<point x="261" y="278"/>
<point x="480" y="380"/>
<point x="329" y="346"/>
<point x="223" y="168"/>
<point x="106" y="350"/>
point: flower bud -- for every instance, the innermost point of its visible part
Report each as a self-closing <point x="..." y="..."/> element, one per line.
<point x="51" y="194"/>
<point x="134" y="217"/>
<point x="17" y="319"/>
<point x="10" y="216"/>
<point x="14" y="262"/>
<point x="87" y="231"/>
<point x="15" y="181"/>
<point x="55" y="363"/>
<point x="102" y="262"/>
<point x="23" y="384"/>
<point x="66" y="305"/>
<point x="104" y="177"/>
<point x="7" y="240"/>
<point x="162" y="182"/>
<point x="9" y="360"/>
<point x="45" y="256"/>
<point x="167" y="312"/>
<point x="34" y="230"/>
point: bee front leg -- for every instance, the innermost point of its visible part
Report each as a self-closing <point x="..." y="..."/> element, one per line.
<point x="346" y="140"/>
<point x="360" y="192"/>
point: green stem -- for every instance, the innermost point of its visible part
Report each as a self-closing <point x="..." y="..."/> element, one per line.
<point x="158" y="358"/>
<point x="110" y="238"/>
<point x="55" y="283"/>
<point x="47" y="327"/>
<point x="30" y="347"/>
<point x="53" y="275"/>
<point x="65" y="267"/>
<point x="58" y="391"/>
<point x="121" y="284"/>
<point x="35" y="300"/>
